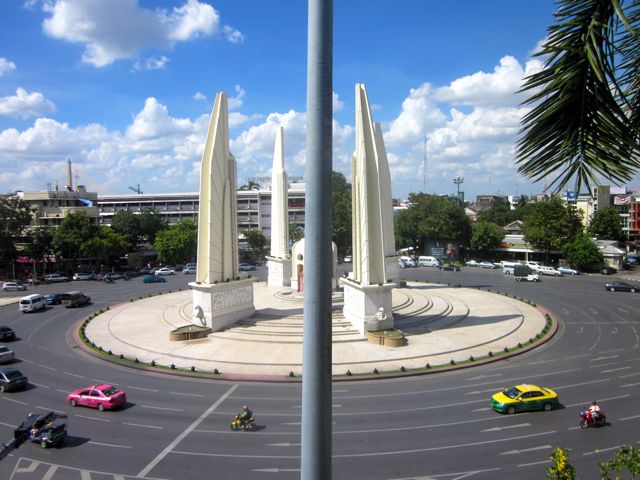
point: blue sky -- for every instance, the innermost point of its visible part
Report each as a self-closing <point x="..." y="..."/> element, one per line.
<point x="124" y="88"/>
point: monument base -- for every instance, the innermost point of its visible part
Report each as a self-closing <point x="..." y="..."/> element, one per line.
<point x="279" y="272"/>
<point x="220" y="305"/>
<point x="368" y="307"/>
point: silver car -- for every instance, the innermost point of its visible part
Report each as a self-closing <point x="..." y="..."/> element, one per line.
<point x="13" y="287"/>
<point x="6" y="355"/>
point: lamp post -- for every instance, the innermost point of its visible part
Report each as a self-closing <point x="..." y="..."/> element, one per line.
<point x="458" y="180"/>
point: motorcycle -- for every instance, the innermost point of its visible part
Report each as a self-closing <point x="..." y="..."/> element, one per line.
<point x="247" y="425"/>
<point x="588" y="419"/>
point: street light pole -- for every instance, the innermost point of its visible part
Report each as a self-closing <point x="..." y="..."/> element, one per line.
<point x="458" y="180"/>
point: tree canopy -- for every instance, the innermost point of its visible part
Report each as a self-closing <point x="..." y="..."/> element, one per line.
<point x="256" y="241"/>
<point x="75" y="229"/>
<point x="582" y="253"/>
<point x="178" y="244"/>
<point x="341" y="204"/>
<point x="485" y="238"/>
<point x="107" y="246"/>
<point x="606" y="225"/>
<point x="15" y="216"/>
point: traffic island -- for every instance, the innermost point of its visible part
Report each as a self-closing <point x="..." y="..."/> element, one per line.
<point x="388" y="338"/>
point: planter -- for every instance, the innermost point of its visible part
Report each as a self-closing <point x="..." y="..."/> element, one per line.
<point x="388" y="338"/>
<point x="189" y="332"/>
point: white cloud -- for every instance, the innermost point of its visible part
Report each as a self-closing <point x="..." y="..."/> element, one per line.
<point x="199" y="96"/>
<point x="233" y="103"/>
<point x="232" y="35"/>
<point x="337" y="103"/>
<point x="150" y="63"/>
<point x="6" y="66"/>
<point x="25" y="105"/>
<point x="110" y="34"/>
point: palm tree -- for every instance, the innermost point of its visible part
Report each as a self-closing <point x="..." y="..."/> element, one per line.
<point x="584" y="125"/>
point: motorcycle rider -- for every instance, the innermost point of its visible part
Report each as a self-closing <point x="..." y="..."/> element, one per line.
<point x="246" y="415"/>
<point x="595" y="410"/>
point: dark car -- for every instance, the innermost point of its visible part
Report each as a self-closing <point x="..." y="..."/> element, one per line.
<point x="75" y="299"/>
<point x="608" y="270"/>
<point x="620" y="286"/>
<point x="11" y="380"/>
<point x="447" y="267"/>
<point x="54" y="298"/>
<point x="7" y="334"/>
<point x="153" y="279"/>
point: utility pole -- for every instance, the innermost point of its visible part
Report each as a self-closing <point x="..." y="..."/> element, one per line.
<point x="458" y="180"/>
<point x="316" y="368"/>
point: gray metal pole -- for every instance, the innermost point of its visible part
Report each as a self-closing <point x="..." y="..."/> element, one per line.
<point x="316" y="370"/>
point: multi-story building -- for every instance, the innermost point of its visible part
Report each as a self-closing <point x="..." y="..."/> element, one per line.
<point x="51" y="206"/>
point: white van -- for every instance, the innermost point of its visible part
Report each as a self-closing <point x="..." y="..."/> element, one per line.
<point x="408" y="261"/>
<point x="508" y="267"/>
<point x="428" y="262"/>
<point x="31" y="303"/>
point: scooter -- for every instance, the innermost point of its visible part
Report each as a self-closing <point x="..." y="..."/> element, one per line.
<point x="246" y="425"/>
<point x="587" y="419"/>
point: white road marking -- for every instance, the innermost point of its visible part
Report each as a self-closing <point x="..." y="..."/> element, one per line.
<point x="604" y="358"/>
<point x="85" y="475"/>
<point x="47" y="367"/>
<point x="30" y="469"/>
<point x="15" y="401"/>
<point x="49" y="409"/>
<point x="524" y="450"/>
<point x="98" y="381"/>
<point x="629" y="418"/>
<point x="109" y="445"/>
<point x="187" y="394"/>
<point x="602" y="365"/>
<point x="498" y="429"/>
<point x="73" y="374"/>
<point x="187" y="431"/>
<point x="162" y="408"/>
<point x="275" y="470"/>
<point x="453" y="476"/>
<point x="480" y="377"/>
<point x="50" y="473"/>
<point x="630" y="385"/>
<point x="140" y="425"/>
<point x="600" y="450"/>
<point x="483" y="409"/>
<point x="140" y="388"/>
<point x="283" y="444"/>
<point x="40" y="385"/>
<point x="615" y="369"/>
<point x="541" y="462"/>
<point x="630" y="375"/>
<point x="585" y="402"/>
<point x="94" y="418"/>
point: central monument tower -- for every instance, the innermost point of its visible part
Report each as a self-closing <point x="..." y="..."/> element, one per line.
<point x="220" y="296"/>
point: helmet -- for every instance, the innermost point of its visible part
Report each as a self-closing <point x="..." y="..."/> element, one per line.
<point x="244" y="407"/>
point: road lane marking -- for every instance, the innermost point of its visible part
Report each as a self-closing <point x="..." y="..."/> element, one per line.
<point x="47" y="367"/>
<point x="94" y="418"/>
<point x="372" y="454"/>
<point x="629" y="418"/>
<point x="629" y="375"/>
<point x="600" y="450"/>
<point x="532" y="464"/>
<point x="480" y="377"/>
<point x="187" y="394"/>
<point x="73" y="374"/>
<point x="50" y="472"/>
<point x="615" y="369"/>
<point x="30" y="469"/>
<point x="109" y="445"/>
<point x="140" y="425"/>
<point x="15" y="401"/>
<point x="586" y="402"/>
<point x="454" y="476"/>
<point x="275" y="470"/>
<point x="603" y="365"/>
<point x="162" y="408"/>
<point x="49" y="409"/>
<point x="39" y="385"/>
<point x="187" y="431"/>
<point x="629" y="385"/>
<point x="498" y="429"/>
<point x="283" y="444"/>
<point x="604" y="358"/>
<point x="524" y="450"/>
<point x="144" y="389"/>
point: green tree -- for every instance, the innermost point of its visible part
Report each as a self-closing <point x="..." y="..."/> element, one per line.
<point x="341" y="204"/>
<point x="40" y="244"/>
<point x="151" y="222"/>
<point x="499" y="213"/>
<point x="296" y="232"/>
<point x="127" y="223"/>
<point x="627" y="458"/>
<point x="107" y="246"/>
<point x="178" y="244"/>
<point x="485" y="238"/>
<point x="431" y="218"/>
<point x="75" y="229"/>
<point x="551" y="224"/>
<point x="15" y="216"/>
<point x="560" y="468"/>
<point x="582" y="253"/>
<point x="606" y="225"/>
<point x="256" y="241"/>
<point x="585" y="120"/>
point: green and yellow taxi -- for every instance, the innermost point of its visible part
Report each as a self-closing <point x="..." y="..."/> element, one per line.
<point x="524" y="398"/>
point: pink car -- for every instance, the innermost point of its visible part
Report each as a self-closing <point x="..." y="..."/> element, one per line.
<point x="102" y="397"/>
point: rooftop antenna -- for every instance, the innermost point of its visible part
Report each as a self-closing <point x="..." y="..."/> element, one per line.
<point x="136" y="189"/>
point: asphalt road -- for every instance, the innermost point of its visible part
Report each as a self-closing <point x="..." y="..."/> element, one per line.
<point x="433" y="426"/>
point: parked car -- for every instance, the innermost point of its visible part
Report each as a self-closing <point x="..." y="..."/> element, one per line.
<point x="471" y="263"/>
<point x="607" y="270"/>
<point x="83" y="276"/>
<point x="569" y="271"/>
<point x="153" y="279"/>
<point x="447" y="267"/>
<point x="75" y="299"/>
<point x="246" y="267"/>
<point x="13" y="287"/>
<point x="189" y="270"/>
<point x="164" y="271"/>
<point x="102" y="397"/>
<point x="6" y="354"/>
<point x="12" y="379"/>
<point x="620" y="286"/>
<point x="7" y="334"/>
<point x="544" y="270"/>
<point x="489" y="265"/>
<point x="523" y="398"/>
<point x="112" y="275"/>
<point x="55" y="278"/>
<point x="54" y="298"/>
<point x="348" y="259"/>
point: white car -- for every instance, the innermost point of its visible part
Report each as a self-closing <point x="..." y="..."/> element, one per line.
<point x="347" y="259"/>
<point x="490" y="265"/>
<point x="54" y="278"/>
<point x="471" y="263"/>
<point x="569" y="271"/>
<point x="164" y="271"/>
<point x="6" y="355"/>
<point x="189" y="270"/>
<point x="543" y="270"/>
<point x="13" y="287"/>
<point x="83" y="276"/>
